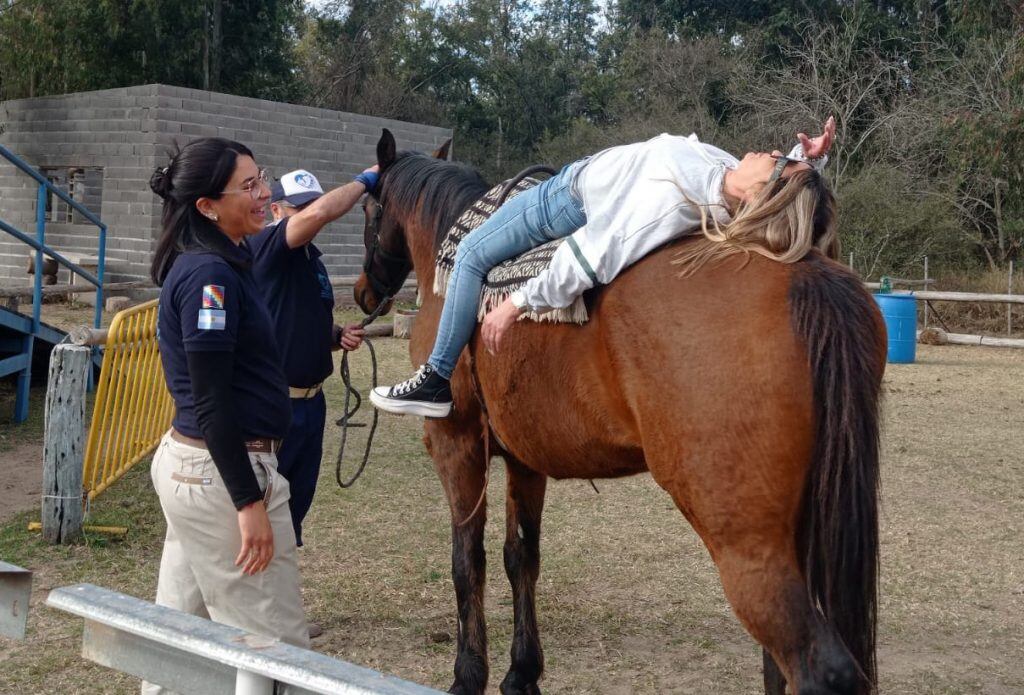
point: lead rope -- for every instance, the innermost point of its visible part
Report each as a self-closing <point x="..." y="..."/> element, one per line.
<point x="346" y="420"/>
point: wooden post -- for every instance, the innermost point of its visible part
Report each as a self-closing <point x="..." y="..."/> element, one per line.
<point x="87" y="335"/>
<point x="1009" y="307"/>
<point x="63" y="444"/>
<point x="926" y="287"/>
<point x="404" y="321"/>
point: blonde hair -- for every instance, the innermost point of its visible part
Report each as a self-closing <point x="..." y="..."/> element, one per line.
<point x="785" y="221"/>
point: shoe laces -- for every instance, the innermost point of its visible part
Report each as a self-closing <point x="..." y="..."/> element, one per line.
<point x="415" y="381"/>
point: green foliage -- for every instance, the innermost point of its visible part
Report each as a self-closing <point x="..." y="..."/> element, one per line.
<point x="58" y="46"/>
<point x="889" y="224"/>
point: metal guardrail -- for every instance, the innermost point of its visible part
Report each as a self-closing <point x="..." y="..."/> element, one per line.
<point x="15" y="592"/>
<point x="40" y="247"/>
<point x="133" y="408"/>
<point x="188" y="654"/>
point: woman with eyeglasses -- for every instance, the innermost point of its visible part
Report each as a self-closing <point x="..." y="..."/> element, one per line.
<point x="616" y="207"/>
<point x="229" y="553"/>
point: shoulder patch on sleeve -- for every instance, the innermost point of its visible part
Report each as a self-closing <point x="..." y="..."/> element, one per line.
<point x="213" y="296"/>
<point x="212" y="319"/>
<point x="212" y="316"/>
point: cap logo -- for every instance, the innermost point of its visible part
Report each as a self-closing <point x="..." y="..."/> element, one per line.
<point x="305" y="180"/>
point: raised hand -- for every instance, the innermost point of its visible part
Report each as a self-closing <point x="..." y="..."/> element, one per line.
<point x="819" y="146"/>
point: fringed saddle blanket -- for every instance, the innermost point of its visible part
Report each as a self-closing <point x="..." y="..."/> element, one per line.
<point x="507" y="277"/>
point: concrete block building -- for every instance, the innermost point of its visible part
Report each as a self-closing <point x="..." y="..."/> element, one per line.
<point x="102" y="147"/>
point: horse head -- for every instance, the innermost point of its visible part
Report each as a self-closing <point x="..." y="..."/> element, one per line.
<point x="386" y="262"/>
<point x="388" y="210"/>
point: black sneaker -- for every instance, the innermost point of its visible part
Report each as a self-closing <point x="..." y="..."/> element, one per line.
<point x="427" y="393"/>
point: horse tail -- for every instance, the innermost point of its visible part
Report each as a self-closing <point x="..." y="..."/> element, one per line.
<point x="837" y="534"/>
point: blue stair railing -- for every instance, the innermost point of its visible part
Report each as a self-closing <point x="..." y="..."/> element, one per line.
<point x="22" y="362"/>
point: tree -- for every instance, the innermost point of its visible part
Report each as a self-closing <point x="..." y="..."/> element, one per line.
<point x="978" y="98"/>
<point x="58" y="46"/>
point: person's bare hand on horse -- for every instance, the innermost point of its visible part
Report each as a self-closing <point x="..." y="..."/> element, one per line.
<point x="496" y="323"/>
<point x="819" y="146"/>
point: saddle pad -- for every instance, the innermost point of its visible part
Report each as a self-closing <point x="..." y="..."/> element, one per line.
<point x="510" y="275"/>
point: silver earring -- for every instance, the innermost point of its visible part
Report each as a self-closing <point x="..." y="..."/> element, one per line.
<point x="213" y="216"/>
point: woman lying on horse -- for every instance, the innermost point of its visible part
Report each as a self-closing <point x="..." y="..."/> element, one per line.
<point x="616" y="207"/>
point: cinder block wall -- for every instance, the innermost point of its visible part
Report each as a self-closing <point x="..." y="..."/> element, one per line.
<point x="127" y="132"/>
<point x="111" y="129"/>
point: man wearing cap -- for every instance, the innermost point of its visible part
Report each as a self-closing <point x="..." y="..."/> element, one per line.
<point x="298" y="294"/>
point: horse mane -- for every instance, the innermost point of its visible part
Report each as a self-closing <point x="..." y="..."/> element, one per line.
<point x="439" y="189"/>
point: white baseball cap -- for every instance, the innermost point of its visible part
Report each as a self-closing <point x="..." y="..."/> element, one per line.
<point x="296" y="188"/>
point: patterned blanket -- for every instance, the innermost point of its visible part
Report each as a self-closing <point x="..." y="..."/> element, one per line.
<point x="507" y="277"/>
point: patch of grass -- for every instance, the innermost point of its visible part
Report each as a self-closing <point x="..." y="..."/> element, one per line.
<point x="48" y="661"/>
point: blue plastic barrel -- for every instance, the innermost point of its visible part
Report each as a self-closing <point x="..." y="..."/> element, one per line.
<point x="900" y="313"/>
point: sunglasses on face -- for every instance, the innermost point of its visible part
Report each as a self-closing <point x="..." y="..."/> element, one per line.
<point x="780" y="166"/>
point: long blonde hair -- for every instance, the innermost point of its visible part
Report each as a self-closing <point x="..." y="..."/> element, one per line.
<point x="785" y="221"/>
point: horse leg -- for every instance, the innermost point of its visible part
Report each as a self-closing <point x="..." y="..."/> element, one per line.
<point x="750" y="534"/>
<point x="774" y="681"/>
<point x="524" y="505"/>
<point x="766" y="590"/>
<point x="459" y="459"/>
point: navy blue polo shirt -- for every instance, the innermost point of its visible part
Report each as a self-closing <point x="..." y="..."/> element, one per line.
<point x="299" y="296"/>
<point x="208" y="305"/>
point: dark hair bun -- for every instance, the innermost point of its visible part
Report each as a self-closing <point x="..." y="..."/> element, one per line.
<point x="160" y="182"/>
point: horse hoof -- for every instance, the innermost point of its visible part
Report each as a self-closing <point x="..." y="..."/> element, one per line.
<point x="459" y="689"/>
<point x="512" y="686"/>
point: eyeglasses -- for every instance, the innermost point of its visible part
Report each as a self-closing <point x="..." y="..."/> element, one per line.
<point x="253" y="186"/>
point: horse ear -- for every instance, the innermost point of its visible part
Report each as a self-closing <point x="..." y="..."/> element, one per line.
<point x="385" y="150"/>
<point x="442" y="151"/>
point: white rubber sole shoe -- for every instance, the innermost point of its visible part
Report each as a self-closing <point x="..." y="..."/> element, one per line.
<point x="379" y="398"/>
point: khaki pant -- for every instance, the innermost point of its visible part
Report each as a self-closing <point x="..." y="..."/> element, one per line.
<point x="197" y="571"/>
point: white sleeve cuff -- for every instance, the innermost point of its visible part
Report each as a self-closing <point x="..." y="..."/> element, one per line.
<point x="519" y="300"/>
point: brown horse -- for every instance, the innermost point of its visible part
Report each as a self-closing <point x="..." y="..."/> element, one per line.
<point x="749" y="391"/>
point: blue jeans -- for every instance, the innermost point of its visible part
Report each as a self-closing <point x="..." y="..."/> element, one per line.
<point x="298" y="459"/>
<point x="543" y="213"/>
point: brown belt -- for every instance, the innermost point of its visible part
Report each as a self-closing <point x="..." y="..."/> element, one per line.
<point x="262" y="445"/>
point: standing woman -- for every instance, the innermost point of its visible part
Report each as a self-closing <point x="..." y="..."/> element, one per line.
<point x="230" y="549"/>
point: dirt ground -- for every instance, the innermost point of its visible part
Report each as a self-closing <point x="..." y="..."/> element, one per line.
<point x="21" y="479"/>
<point x="628" y="600"/>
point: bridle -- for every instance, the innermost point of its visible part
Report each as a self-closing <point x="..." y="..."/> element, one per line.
<point x="394" y="266"/>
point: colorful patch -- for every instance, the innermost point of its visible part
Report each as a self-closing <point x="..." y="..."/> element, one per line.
<point x="212" y="320"/>
<point x="213" y="296"/>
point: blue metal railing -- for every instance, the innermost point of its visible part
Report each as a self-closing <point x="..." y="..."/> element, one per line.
<point x="39" y="244"/>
